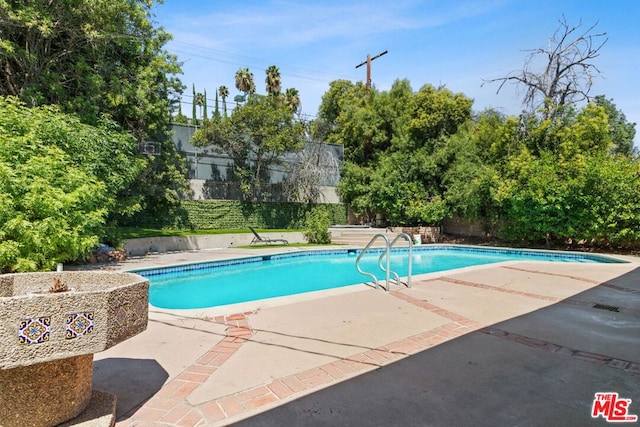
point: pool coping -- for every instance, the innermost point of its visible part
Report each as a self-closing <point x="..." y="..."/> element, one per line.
<point x="148" y="271"/>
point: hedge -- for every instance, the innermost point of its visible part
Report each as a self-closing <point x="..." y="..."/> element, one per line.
<point x="229" y="215"/>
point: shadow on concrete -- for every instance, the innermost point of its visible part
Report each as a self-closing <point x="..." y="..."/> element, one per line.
<point x="539" y="369"/>
<point x="133" y="381"/>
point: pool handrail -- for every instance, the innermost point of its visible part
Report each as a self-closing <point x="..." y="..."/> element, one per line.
<point x="387" y="253"/>
<point x="391" y="272"/>
<point x="409" y="265"/>
<point x="375" y="279"/>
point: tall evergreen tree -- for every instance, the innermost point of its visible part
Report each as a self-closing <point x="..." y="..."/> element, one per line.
<point x="216" y="112"/>
<point x="204" y="105"/>
<point x="194" y="118"/>
<point x="621" y="131"/>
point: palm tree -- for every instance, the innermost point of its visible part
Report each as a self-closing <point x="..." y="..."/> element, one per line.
<point x="199" y="100"/>
<point x="292" y="99"/>
<point x="273" y="80"/>
<point x="244" y="81"/>
<point x="223" y="91"/>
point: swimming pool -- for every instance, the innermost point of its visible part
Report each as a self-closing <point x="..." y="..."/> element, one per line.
<point x="215" y="283"/>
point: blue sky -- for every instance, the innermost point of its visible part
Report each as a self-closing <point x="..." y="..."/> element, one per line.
<point x="454" y="43"/>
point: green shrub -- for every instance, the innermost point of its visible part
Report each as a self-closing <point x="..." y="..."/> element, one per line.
<point x="317" y="226"/>
<point x="56" y="189"/>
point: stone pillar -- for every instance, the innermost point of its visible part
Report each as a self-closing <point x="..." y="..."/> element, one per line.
<point x="45" y="394"/>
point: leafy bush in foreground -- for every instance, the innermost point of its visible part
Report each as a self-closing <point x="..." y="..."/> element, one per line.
<point x="55" y="191"/>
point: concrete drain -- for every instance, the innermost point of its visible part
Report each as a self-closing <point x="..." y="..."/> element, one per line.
<point x="606" y="307"/>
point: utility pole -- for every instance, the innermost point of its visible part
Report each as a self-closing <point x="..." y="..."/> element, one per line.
<point x="368" y="62"/>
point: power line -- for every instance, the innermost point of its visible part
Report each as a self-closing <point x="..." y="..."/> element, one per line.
<point x="303" y="116"/>
<point x="306" y="77"/>
<point x="332" y="76"/>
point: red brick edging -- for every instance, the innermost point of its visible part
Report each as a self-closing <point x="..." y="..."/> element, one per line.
<point x="600" y="359"/>
<point x="169" y="407"/>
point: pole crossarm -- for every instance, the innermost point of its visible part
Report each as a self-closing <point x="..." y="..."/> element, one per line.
<point x="368" y="62"/>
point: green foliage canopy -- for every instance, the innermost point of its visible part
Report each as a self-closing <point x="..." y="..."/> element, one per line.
<point x="548" y="181"/>
<point x="59" y="179"/>
<point x="90" y="57"/>
<point x="595" y="198"/>
<point x="97" y="59"/>
<point x="418" y="158"/>
<point x="621" y="131"/>
<point x="395" y="148"/>
<point x="561" y="171"/>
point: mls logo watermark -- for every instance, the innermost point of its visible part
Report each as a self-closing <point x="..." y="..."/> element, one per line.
<point x="612" y="408"/>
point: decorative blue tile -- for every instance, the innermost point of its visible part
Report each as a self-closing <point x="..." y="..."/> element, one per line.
<point x="34" y="331"/>
<point x="79" y="324"/>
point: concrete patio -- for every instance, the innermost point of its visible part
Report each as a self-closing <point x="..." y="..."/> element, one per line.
<point x="519" y="343"/>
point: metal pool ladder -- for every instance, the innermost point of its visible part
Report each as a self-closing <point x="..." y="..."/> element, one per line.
<point x="386" y="256"/>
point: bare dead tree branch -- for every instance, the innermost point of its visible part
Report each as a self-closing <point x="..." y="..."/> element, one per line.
<point x="561" y="73"/>
<point x="312" y="168"/>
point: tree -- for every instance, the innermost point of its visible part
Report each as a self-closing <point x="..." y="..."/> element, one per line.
<point x="204" y="105"/>
<point x="273" y="83"/>
<point x="312" y="167"/>
<point x="394" y="164"/>
<point x="438" y="112"/>
<point x="216" y="112"/>
<point x="98" y="58"/>
<point x="199" y="100"/>
<point x="180" y="118"/>
<point x="411" y="194"/>
<point x="567" y="73"/>
<point x="292" y="99"/>
<point x="496" y="137"/>
<point x="552" y="181"/>
<point x="244" y="81"/>
<point x="90" y="57"/>
<point x="621" y="131"/>
<point x="355" y="189"/>
<point x="255" y="137"/>
<point x="340" y="92"/>
<point x="224" y="93"/>
<point x="60" y="180"/>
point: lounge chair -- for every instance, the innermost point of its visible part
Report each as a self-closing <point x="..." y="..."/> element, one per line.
<point x="268" y="241"/>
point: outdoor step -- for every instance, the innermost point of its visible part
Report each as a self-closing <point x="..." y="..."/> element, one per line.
<point x="360" y="236"/>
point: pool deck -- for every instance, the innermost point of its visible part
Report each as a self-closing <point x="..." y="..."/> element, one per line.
<point x="517" y="343"/>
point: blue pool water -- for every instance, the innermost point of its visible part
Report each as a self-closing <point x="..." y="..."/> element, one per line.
<point x="217" y="283"/>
